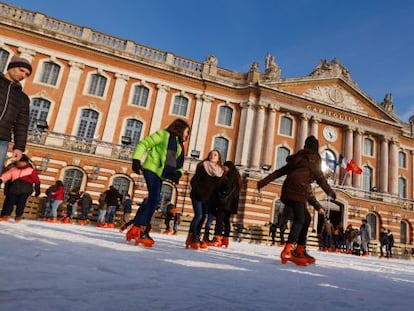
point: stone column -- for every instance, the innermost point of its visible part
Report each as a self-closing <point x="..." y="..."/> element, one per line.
<point x="314" y="126"/>
<point x="383" y="173"/>
<point x="244" y="138"/>
<point x="68" y="97"/>
<point x="356" y="178"/>
<point x="113" y="114"/>
<point x="303" y="131"/>
<point x="200" y="124"/>
<point x="412" y="172"/>
<point x="268" y="149"/>
<point x="159" y="108"/>
<point x="348" y="153"/>
<point x="258" y="136"/>
<point x="393" y="167"/>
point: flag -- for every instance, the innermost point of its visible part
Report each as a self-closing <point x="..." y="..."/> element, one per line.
<point x="330" y="163"/>
<point x="353" y="167"/>
<point x="342" y="161"/>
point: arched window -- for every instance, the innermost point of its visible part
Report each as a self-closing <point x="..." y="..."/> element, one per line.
<point x="87" y="124"/>
<point x="328" y="161"/>
<point x="50" y="73"/>
<point x="367" y="178"/>
<point x="72" y="179"/>
<point x="97" y="85"/>
<point x="225" y="115"/>
<point x="402" y="187"/>
<point x="39" y="109"/>
<point x="277" y="211"/>
<point x="180" y="106"/>
<point x="133" y="130"/>
<point x="282" y="154"/>
<point x="372" y="221"/>
<point x="368" y="147"/>
<point x="286" y="126"/>
<point x="167" y="195"/>
<point x="140" y="96"/>
<point x="122" y="184"/>
<point x="404" y="232"/>
<point x="4" y="56"/>
<point x="402" y="160"/>
<point x="222" y="145"/>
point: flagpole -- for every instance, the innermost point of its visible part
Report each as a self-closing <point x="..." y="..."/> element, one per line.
<point x="343" y="180"/>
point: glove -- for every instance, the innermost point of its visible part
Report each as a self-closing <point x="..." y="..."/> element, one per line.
<point x="37" y="190"/>
<point x="177" y="177"/>
<point x="136" y="166"/>
<point x="333" y="196"/>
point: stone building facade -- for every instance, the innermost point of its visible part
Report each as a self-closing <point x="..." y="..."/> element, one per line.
<point x="100" y="94"/>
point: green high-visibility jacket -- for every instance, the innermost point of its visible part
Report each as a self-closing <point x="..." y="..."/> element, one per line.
<point x="156" y="147"/>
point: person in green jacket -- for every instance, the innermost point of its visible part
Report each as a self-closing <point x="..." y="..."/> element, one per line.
<point x="164" y="160"/>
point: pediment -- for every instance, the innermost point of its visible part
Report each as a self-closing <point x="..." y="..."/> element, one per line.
<point x="340" y="95"/>
<point x="335" y="95"/>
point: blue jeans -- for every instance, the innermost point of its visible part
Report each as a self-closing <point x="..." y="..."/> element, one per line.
<point x="55" y="206"/>
<point x="101" y="215"/>
<point x="4" y="146"/>
<point x="200" y="210"/>
<point x="146" y="211"/>
<point x="210" y="218"/>
<point x="110" y="213"/>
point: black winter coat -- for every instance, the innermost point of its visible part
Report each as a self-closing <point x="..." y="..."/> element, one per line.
<point x="203" y="186"/>
<point x="227" y="195"/>
<point x="14" y="113"/>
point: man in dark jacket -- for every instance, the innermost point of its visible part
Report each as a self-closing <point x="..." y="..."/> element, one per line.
<point x="113" y="200"/>
<point x="14" y="108"/>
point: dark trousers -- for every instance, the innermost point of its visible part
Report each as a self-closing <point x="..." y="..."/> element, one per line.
<point x="300" y="222"/>
<point x="146" y="211"/>
<point x="14" y="199"/>
<point x="222" y="224"/>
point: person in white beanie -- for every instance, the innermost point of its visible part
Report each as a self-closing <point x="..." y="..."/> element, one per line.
<point x="14" y="108"/>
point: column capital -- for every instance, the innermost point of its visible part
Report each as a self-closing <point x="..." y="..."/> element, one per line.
<point x="76" y="65"/>
<point x="350" y="128"/>
<point x="121" y="76"/>
<point x="359" y="131"/>
<point x="385" y="138"/>
<point x="162" y="87"/>
<point x="305" y="117"/>
<point x="316" y="119"/>
<point x="394" y="140"/>
<point x="246" y="104"/>
<point x="274" y="107"/>
<point x="261" y="107"/>
<point x="26" y="53"/>
<point x="205" y="98"/>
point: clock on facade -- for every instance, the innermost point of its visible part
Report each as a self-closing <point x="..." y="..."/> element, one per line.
<point x="330" y="133"/>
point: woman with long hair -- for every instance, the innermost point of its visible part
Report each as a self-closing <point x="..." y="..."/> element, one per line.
<point x="164" y="160"/>
<point x="301" y="169"/>
<point x="203" y="186"/>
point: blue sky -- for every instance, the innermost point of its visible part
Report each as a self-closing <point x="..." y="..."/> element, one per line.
<point x="373" y="39"/>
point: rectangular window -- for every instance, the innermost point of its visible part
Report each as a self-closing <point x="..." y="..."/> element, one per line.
<point x="50" y="73"/>
<point x="97" y="85"/>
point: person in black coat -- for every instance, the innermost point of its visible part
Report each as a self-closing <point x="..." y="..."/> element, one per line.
<point x="227" y="203"/>
<point x="203" y="187"/>
<point x="15" y="108"/>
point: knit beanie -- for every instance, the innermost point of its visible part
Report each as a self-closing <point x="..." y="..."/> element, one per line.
<point x="312" y="143"/>
<point x="17" y="61"/>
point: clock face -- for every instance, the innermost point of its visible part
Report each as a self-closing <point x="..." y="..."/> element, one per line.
<point x="330" y="134"/>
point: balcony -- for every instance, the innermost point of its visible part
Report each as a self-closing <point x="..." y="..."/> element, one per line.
<point x="80" y="144"/>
